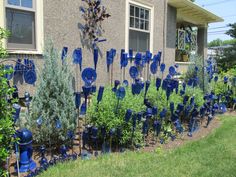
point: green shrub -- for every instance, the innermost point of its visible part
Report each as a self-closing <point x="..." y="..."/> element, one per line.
<point x="105" y="115"/>
<point x="53" y="102"/>
<point x="6" y="120"/>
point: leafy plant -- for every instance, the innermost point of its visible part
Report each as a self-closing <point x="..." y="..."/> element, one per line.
<point x="6" y="121"/>
<point x="105" y="113"/>
<point x="3" y="35"/>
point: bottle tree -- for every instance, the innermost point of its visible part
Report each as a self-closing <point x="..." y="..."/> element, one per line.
<point x="52" y="111"/>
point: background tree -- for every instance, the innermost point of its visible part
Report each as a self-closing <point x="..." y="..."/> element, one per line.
<point x="228" y="59"/>
<point x="215" y="43"/>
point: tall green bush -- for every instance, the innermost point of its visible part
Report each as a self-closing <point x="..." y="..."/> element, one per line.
<point x="52" y="111"/>
<point x="6" y="120"/>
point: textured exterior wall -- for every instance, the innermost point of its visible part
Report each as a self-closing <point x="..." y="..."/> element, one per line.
<point x="170" y="36"/>
<point x="61" y="20"/>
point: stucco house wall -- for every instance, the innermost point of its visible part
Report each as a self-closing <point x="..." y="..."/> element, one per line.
<point x="60" y="22"/>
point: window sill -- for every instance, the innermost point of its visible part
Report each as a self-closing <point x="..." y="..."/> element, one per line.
<point x="25" y="52"/>
<point x="184" y="62"/>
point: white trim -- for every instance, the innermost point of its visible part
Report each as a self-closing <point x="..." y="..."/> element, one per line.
<point x="39" y="30"/>
<point x="151" y="22"/>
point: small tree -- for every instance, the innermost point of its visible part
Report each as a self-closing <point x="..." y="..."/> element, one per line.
<point x="53" y="112"/>
<point x="6" y="120"/>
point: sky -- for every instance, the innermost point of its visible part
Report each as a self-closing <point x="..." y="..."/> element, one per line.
<point x="223" y="8"/>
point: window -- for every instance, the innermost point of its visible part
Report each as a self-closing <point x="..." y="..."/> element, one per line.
<point x="20" y="21"/>
<point x="139" y="28"/>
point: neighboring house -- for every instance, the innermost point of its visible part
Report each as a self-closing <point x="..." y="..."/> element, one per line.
<point x="217" y="51"/>
<point x="138" y="24"/>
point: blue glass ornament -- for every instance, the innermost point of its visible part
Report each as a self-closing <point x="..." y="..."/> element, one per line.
<point x="95" y="57"/>
<point x="116" y="84"/>
<point x="158" y="59"/>
<point x="158" y="83"/>
<point x="126" y="83"/>
<point x="103" y="131"/>
<point x="30" y="77"/>
<point x="185" y="100"/>
<point x="148" y="56"/>
<point x="112" y="132"/>
<point x="182" y="92"/>
<point x="145" y="127"/>
<point x="26" y="162"/>
<point x="147" y="103"/>
<point x="86" y="91"/>
<point x="172" y="70"/>
<point x="154" y="111"/>
<point x="176" y="66"/>
<point x="64" y="53"/>
<point x="139" y="116"/>
<point x="138" y="59"/>
<point x="83" y="109"/>
<point x="94" y="132"/>
<point x="165" y="84"/>
<point x="168" y="91"/>
<point x="180" y="107"/>
<point x="134" y="121"/>
<point x="149" y="112"/>
<point x="133" y="72"/>
<point x="225" y="80"/>
<point x="192" y="100"/>
<point x="89" y="75"/>
<point x="153" y="67"/>
<point x="124" y="60"/>
<point x="163" y="114"/>
<point x="77" y="100"/>
<point x="8" y="76"/>
<point x="128" y="115"/>
<point x="172" y="107"/>
<point x="120" y="94"/>
<point x="184" y="86"/>
<point x="15" y="94"/>
<point x="58" y="124"/>
<point x="77" y="57"/>
<point x="70" y="134"/>
<point x="100" y="94"/>
<point x="147" y="85"/>
<point x="130" y="53"/>
<point x="109" y="60"/>
<point x="168" y="76"/>
<point x="162" y="67"/>
<point x="16" y="114"/>
<point x="93" y="89"/>
<point x="39" y="121"/>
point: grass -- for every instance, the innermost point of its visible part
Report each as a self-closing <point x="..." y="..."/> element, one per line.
<point x="212" y="156"/>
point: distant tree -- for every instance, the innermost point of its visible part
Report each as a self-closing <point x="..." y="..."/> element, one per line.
<point x="216" y="42"/>
<point x="228" y="59"/>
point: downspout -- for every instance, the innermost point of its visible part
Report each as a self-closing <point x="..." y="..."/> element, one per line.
<point x="164" y="31"/>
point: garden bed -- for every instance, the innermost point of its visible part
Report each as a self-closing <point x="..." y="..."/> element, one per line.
<point x="179" y="141"/>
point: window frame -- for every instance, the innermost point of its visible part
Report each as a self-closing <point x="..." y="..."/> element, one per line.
<point x="146" y="6"/>
<point x="38" y="25"/>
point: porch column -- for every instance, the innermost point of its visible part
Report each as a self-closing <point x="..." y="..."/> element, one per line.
<point x="202" y="41"/>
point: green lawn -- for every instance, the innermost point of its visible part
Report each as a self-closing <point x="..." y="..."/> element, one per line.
<point x="213" y="156"/>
